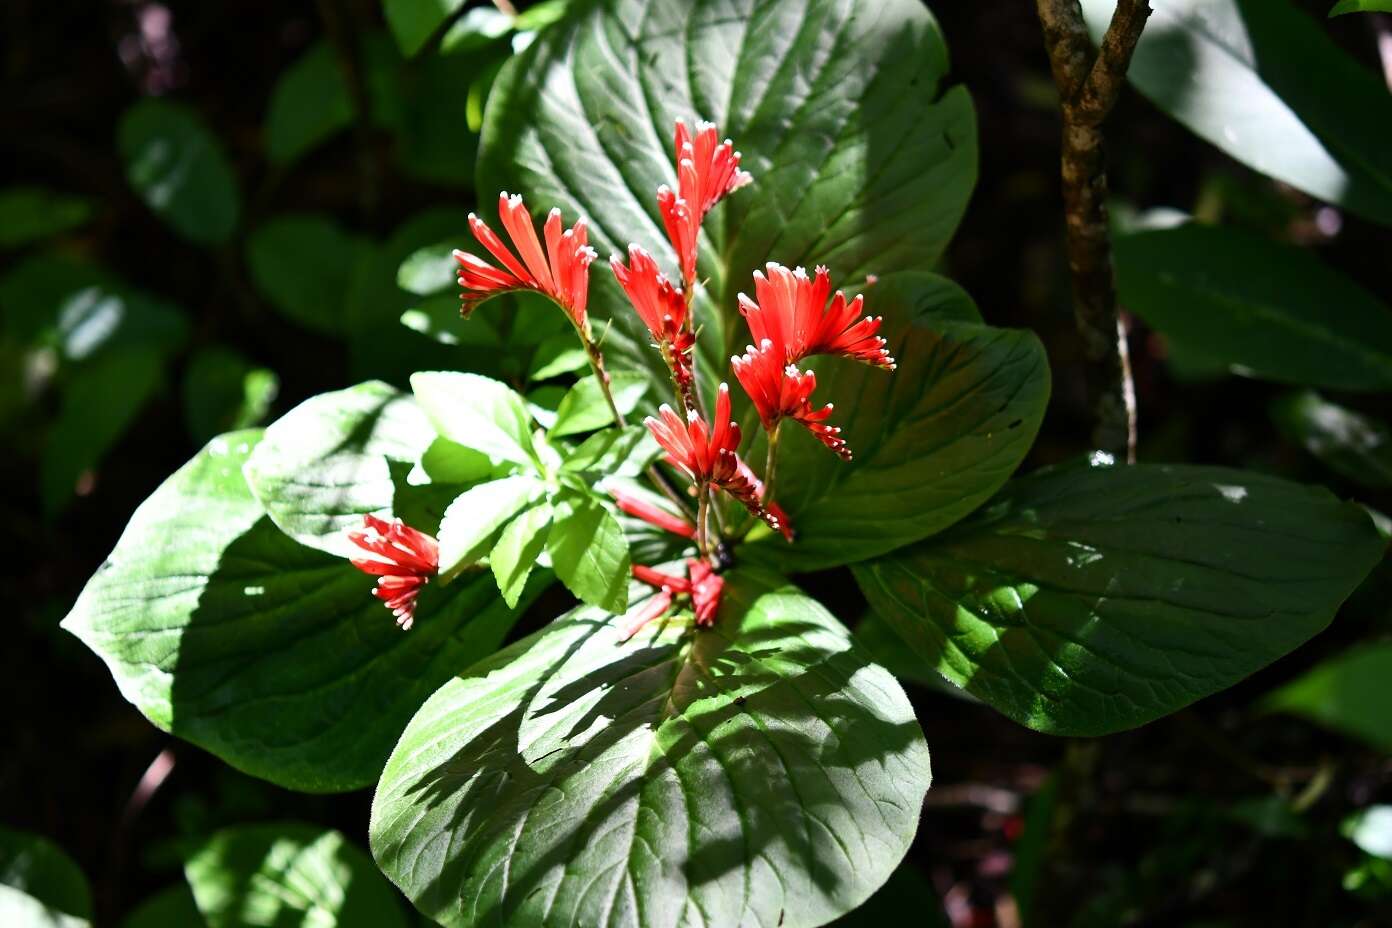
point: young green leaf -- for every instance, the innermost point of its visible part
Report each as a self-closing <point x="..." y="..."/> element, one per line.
<point x="56" y="888"/>
<point x="327" y="462"/>
<point x="559" y="354"/>
<point x="1266" y="310"/>
<point x="589" y="552"/>
<point x="472" y="521"/>
<point x="1361" y="6"/>
<point x="275" y="657"/>
<point x="1087" y="600"/>
<point x="517" y="550"/>
<point x="1265" y="83"/>
<point x="584" y="408"/>
<point x="289" y="874"/>
<point x="479" y="413"/>
<point x="177" y="166"/>
<point x="863" y="158"/>
<point x="762" y="772"/>
<point x="614" y="453"/>
<point x="1354" y="445"/>
<point x="31" y="214"/>
<point x="932" y="442"/>
<point x="1348" y="694"/>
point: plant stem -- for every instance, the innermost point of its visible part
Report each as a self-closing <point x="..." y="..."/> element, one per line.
<point x="771" y="461"/>
<point x="702" y="508"/>
<point x="1089" y="84"/>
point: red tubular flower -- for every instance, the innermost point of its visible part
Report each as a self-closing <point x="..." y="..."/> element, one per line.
<point x="653" y="515"/>
<point x="707" y="455"/>
<point x="782" y="391"/>
<point x="403" y="560"/>
<point x="791" y="311"/>
<point x="714" y="166"/>
<point x="702" y="584"/>
<point x="561" y="271"/>
<point x="660" y="305"/>
<point x="707" y="171"/>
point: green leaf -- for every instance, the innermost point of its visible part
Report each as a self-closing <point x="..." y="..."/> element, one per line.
<point x="932" y="441"/>
<point x="1087" y="600"/>
<point x="327" y="462"/>
<point x="309" y="105"/>
<point x="39" y="869"/>
<point x="1266" y="310"/>
<point x="1361" y="6"/>
<point x="302" y="264"/>
<point x="19" y="909"/>
<point x="762" y="772"/>
<point x="429" y="270"/>
<point x="100" y="401"/>
<point x="1354" y="445"/>
<point x="517" y="550"/>
<point x="437" y="317"/>
<point x="584" y="408"/>
<point x="178" y="167"/>
<point x="921" y="296"/>
<point x="614" y="453"/>
<point x="223" y="391"/>
<point x="1349" y="694"/>
<point x="557" y="355"/>
<point x="477" y="29"/>
<point x="1264" y="82"/>
<point x="446" y="461"/>
<point x="479" y="413"/>
<point x="863" y="158"/>
<point x="31" y="214"/>
<point x="81" y="310"/>
<point x="167" y="908"/>
<point x="413" y="22"/>
<point x="1371" y="830"/>
<point x="589" y="552"/>
<point x="472" y="521"/>
<point x="289" y="874"/>
<point x="908" y="891"/>
<point x="272" y="655"/>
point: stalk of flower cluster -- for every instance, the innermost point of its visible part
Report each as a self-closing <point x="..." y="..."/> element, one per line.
<point x="771" y="461"/>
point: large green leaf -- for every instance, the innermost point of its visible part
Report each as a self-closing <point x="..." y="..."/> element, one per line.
<point x="759" y="773"/>
<point x="289" y="874"/>
<point x="1354" y="445"/>
<point x="329" y="460"/>
<point x="1351" y="694"/>
<point x="862" y="159"/>
<point x="1265" y="83"/>
<point x="1086" y="600"/>
<point x="270" y="654"/>
<point x="303" y="263"/>
<point x="932" y="441"/>
<point x="56" y="889"/>
<point x="178" y="167"/>
<point x="1263" y="309"/>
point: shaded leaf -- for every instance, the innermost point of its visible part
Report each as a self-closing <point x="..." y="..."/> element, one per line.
<point x="1264" y="309"/>
<point x="758" y="773"/>
<point x="584" y="408"/>
<point x="438" y="318"/>
<point x="1087" y="600"/>
<point x="177" y="166"/>
<point x="1350" y="694"/>
<point x="309" y="105"/>
<point x="302" y="263"/>
<point x="413" y="22"/>
<point x="1264" y="82"/>
<point x="289" y="874"/>
<point x="223" y="391"/>
<point x="557" y="355"/>
<point x="932" y="442"/>
<point x="41" y="870"/>
<point x="272" y="655"/>
<point x="166" y="909"/>
<point x="326" y="463"/>
<point x="31" y="214"/>
<point x="517" y="550"/>
<point x="1361" y="6"/>
<point x="1354" y="445"/>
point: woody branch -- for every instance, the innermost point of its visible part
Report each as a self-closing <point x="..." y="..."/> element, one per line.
<point x="1089" y="83"/>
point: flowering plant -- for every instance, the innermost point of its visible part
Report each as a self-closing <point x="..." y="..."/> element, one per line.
<point x="698" y="741"/>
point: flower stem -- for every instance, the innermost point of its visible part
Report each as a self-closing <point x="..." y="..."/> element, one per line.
<point x="771" y="462"/>
<point x="703" y="507"/>
<point x="601" y="374"/>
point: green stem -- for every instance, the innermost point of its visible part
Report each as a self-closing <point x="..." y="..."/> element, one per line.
<point x="771" y="462"/>
<point x="703" y="507"/>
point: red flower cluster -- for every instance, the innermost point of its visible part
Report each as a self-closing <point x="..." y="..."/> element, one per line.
<point x="782" y="391"/>
<point x="661" y="306"/>
<point x="403" y="560"/>
<point x="561" y="271"/>
<point x="791" y="311"/>
<point x="706" y="172"/>
<point x="708" y="455"/>
<point x="701" y="583"/>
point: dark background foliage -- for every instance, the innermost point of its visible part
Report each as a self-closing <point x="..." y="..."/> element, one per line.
<point x="1187" y="821"/>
